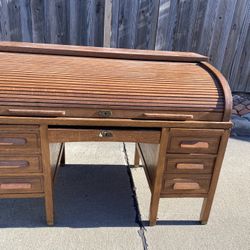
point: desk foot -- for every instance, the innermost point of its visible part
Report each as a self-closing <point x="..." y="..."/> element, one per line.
<point x="203" y="222"/>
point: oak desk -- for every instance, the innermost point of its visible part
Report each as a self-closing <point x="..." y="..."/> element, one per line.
<point x="174" y="105"/>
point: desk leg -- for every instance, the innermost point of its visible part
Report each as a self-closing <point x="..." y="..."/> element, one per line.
<point x="159" y="171"/>
<point x="207" y="203"/>
<point x="137" y="157"/>
<point x="47" y="175"/>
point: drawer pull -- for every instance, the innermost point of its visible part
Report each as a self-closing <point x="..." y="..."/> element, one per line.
<point x="15" y="186"/>
<point x="168" y="116"/>
<point x="13" y="164"/>
<point x="105" y="134"/>
<point x="12" y="141"/>
<point x="33" y="112"/>
<point x="186" y="186"/>
<point x="190" y="166"/>
<point x="194" y="144"/>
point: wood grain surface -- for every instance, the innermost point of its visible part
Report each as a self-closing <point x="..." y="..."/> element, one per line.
<point x="85" y="79"/>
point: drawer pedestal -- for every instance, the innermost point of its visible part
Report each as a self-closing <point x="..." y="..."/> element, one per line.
<point x="192" y="162"/>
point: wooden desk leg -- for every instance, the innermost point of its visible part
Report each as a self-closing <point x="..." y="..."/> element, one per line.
<point x="47" y="175"/>
<point x="207" y="203"/>
<point x="159" y="171"/>
<point x="137" y="157"/>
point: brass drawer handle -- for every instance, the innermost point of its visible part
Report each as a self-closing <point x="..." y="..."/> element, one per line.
<point x="105" y="134"/>
<point x="34" y="112"/>
<point x="194" y="144"/>
<point x="175" y="117"/>
<point x="10" y="186"/>
<point x="12" y="141"/>
<point x="13" y="164"/>
<point x="104" y="113"/>
<point x="193" y="166"/>
<point x="186" y="186"/>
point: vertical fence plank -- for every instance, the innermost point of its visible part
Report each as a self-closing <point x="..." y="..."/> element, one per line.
<point x="233" y="37"/>
<point x="208" y="27"/>
<point x="114" y="24"/>
<point x="74" y="20"/>
<point x="92" y="26"/>
<point x="38" y="21"/>
<point x="14" y="15"/>
<point x="147" y="24"/>
<point x="235" y="68"/>
<point x="182" y="25"/>
<point x="162" y="26"/>
<point x="26" y="23"/>
<point x="243" y="73"/>
<point x="221" y="31"/>
<point x="174" y="6"/>
<point x="107" y="23"/>
<point x="196" y="24"/>
<point x="4" y="21"/>
<point x="126" y="23"/>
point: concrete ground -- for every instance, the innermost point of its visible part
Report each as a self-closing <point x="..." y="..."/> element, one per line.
<point x="94" y="207"/>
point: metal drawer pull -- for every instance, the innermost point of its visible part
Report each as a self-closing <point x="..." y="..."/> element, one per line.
<point x="189" y="166"/>
<point x="13" y="164"/>
<point x="194" y="144"/>
<point x="34" y="112"/>
<point x="15" y="186"/>
<point x="186" y="186"/>
<point x="168" y="116"/>
<point x="105" y="133"/>
<point x="12" y="141"/>
<point x="105" y="113"/>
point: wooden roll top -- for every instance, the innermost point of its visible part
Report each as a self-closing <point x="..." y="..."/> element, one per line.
<point x="72" y="81"/>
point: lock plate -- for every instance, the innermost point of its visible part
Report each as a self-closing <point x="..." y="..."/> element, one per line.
<point x="104" y="113"/>
<point x="105" y="134"/>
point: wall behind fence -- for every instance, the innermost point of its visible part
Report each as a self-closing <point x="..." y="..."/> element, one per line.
<point x="217" y="28"/>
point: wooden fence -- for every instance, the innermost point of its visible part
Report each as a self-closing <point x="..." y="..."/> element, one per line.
<point x="217" y="28"/>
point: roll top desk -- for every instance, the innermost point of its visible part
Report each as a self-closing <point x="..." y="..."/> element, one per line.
<point x="175" y="106"/>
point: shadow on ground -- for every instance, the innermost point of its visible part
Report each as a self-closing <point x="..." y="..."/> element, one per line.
<point x="85" y="196"/>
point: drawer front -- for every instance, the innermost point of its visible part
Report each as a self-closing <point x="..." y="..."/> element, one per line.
<point x="186" y="184"/>
<point x="21" y="185"/>
<point x="204" y="141"/>
<point x="16" y="142"/>
<point x="20" y="164"/>
<point x="109" y="113"/>
<point x="183" y="163"/>
<point x="133" y="135"/>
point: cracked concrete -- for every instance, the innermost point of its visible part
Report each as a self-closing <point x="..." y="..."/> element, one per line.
<point x="95" y="209"/>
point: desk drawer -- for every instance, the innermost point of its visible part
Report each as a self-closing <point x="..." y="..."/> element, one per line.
<point x="117" y="135"/>
<point x="18" y="141"/>
<point x="204" y="141"/>
<point x="20" y="164"/>
<point x="21" y="185"/>
<point x="186" y="184"/>
<point x="185" y="163"/>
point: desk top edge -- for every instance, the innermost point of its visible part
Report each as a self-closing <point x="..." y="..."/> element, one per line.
<point x="88" y="51"/>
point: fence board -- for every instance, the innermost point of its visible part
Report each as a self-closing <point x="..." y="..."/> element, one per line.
<point x="218" y="29"/>
<point x="37" y="21"/>
<point x="15" y="29"/>
<point x="4" y="21"/>
<point x="221" y="31"/>
<point x="147" y="24"/>
<point x="163" y="21"/>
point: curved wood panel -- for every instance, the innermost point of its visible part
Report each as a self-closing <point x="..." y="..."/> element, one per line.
<point x="164" y="82"/>
<point x="226" y="90"/>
